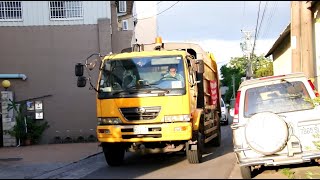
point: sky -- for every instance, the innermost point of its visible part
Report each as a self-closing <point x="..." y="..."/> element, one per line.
<point x="217" y="25"/>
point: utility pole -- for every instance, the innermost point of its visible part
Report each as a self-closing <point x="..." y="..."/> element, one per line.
<point x="301" y="38"/>
<point x="307" y="39"/>
<point x="296" y="36"/>
<point x="246" y="47"/>
<point x="233" y="86"/>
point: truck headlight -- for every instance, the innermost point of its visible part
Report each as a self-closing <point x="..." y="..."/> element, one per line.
<point x="109" y="120"/>
<point x="177" y="118"/>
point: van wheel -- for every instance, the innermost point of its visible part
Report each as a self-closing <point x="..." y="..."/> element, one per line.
<point x="245" y="172"/>
<point x="195" y="156"/>
<point x="113" y="153"/>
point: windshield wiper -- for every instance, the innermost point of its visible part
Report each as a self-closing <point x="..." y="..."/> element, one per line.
<point x="134" y="88"/>
<point x="294" y="96"/>
<point x="156" y="87"/>
<point x="125" y="90"/>
<point x="283" y="80"/>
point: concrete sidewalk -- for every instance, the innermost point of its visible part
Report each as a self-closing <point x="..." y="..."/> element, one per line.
<point x="30" y="161"/>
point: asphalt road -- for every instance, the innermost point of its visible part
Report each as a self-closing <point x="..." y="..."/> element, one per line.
<point x="218" y="163"/>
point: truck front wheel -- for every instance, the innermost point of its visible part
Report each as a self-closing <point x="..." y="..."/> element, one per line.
<point x="113" y="153"/>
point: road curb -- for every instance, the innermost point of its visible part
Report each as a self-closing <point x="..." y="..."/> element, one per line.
<point x="235" y="174"/>
<point x="58" y="171"/>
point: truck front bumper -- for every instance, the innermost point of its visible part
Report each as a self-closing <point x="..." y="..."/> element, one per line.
<point x="145" y="132"/>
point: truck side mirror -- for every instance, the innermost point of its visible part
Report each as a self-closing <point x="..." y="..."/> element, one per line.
<point x="79" y="69"/>
<point x="200" y="66"/>
<point x="107" y="67"/>
<point x="82" y="81"/>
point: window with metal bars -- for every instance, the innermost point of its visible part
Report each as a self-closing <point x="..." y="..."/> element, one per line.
<point x="125" y="25"/>
<point x="122" y="8"/>
<point x="10" y="10"/>
<point x="66" y="10"/>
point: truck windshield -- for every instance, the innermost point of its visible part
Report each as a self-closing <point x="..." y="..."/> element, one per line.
<point x="142" y="75"/>
<point x="277" y="98"/>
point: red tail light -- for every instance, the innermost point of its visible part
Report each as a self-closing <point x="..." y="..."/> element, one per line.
<point x="236" y="108"/>
<point x="313" y="88"/>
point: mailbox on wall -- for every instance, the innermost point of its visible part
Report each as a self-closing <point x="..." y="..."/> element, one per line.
<point x="35" y="109"/>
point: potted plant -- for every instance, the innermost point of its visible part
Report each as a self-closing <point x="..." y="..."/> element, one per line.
<point x="26" y="129"/>
<point x="19" y="129"/>
<point x="35" y="130"/>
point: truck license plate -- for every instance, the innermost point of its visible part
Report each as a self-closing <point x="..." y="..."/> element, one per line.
<point x="140" y="130"/>
<point x="313" y="129"/>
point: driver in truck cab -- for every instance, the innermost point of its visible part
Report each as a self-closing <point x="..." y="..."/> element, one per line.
<point x="172" y="74"/>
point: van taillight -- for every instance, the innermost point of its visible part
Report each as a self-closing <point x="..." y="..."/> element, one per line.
<point x="236" y="108"/>
<point x="313" y="88"/>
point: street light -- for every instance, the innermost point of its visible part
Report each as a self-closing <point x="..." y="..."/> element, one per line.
<point x="6" y="84"/>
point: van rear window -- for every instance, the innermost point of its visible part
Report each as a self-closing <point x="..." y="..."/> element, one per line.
<point x="277" y="98"/>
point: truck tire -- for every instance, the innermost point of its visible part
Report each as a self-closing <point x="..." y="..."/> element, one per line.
<point x="114" y="154"/>
<point x="195" y="156"/>
<point x="217" y="140"/>
<point x="226" y="122"/>
<point x="245" y="172"/>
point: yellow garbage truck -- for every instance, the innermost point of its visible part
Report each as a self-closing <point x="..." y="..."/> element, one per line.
<point x="156" y="98"/>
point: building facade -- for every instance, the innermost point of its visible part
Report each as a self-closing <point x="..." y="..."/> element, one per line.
<point x="41" y="41"/>
<point x="282" y="54"/>
<point x="123" y="25"/>
<point x="298" y="48"/>
<point x="146" y="24"/>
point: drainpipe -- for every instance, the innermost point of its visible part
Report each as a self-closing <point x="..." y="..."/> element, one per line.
<point x="13" y="76"/>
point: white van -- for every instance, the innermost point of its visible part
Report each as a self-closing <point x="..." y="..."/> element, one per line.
<point x="274" y="123"/>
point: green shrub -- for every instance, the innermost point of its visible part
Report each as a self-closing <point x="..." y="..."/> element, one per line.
<point x="25" y="127"/>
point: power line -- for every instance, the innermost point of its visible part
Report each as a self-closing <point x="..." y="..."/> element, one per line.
<point x="135" y="15"/>
<point x="255" y="35"/>
<point x="161" y="12"/>
<point x="145" y="11"/>
<point x="261" y="22"/>
<point x="249" y="73"/>
<point x="270" y="19"/>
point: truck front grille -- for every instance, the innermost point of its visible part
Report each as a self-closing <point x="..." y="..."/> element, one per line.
<point x="141" y="136"/>
<point x="140" y="113"/>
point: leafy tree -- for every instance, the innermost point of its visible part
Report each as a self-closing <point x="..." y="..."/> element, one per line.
<point x="227" y="73"/>
<point x="237" y="66"/>
<point x="262" y="67"/>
